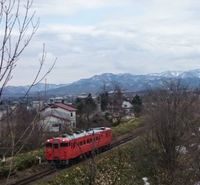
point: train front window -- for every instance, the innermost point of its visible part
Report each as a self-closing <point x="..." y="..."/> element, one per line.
<point x="48" y="145"/>
<point x="64" y="144"/>
<point x="55" y="145"/>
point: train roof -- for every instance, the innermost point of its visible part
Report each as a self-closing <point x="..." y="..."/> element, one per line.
<point x="82" y="133"/>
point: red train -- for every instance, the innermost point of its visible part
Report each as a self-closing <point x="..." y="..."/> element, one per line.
<point x="68" y="147"/>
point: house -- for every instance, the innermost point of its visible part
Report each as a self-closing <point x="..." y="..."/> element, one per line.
<point x="56" y="100"/>
<point x="128" y="108"/>
<point x="58" y="117"/>
<point x="125" y="110"/>
<point x="126" y="105"/>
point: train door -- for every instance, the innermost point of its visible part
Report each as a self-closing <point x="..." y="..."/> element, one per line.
<point x="64" y="150"/>
<point x="74" y="149"/>
<point x="56" y="149"/>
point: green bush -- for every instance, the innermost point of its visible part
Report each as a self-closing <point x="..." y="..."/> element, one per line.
<point x="22" y="162"/>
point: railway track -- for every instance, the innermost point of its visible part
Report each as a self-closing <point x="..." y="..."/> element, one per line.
<point x="41" y="175"/>
<point x="128" y="138"/>
<point x="35" y="177"/>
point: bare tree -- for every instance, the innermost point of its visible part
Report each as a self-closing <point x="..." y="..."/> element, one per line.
<point x="117" y="100"/>
<point x="172" y="117"/>
<point x="18" y="27"/>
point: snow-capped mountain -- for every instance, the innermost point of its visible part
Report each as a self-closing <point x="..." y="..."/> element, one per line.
<point x="128" y="82"/>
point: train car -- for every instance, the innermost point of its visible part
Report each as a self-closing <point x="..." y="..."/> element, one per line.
<point x="68" y="147"/>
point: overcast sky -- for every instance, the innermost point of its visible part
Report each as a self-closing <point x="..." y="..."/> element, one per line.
<point x="91" y="37"/>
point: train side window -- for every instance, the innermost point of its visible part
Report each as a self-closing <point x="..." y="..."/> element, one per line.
<point x="84" y="142"/>
<point x="101" y="137"/>
<point x="80" y="144"/>
<point x="91" y="140"/>
<point x="49" y="145"/>
<point x="64" y="144"/>
<point x="97" y="138"/>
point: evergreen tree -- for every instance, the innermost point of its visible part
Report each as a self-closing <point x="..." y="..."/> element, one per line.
<point x="136" y="100"/>
<point x="137" y="105"/>
<point x="104" y="99"/>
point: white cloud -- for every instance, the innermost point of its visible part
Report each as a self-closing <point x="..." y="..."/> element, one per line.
<point x="93" y="37"/>
<point x="71" y="7"/>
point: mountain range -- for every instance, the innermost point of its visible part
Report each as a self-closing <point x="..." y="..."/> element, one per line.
<point x="126" y="81"/>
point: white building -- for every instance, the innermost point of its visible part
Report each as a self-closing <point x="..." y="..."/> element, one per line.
<point x="37" y="105"/>
<point x="57" y="117"/>
<point x="127" y="106"/>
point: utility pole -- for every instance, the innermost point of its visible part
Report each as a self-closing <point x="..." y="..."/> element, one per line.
<point x="100" y="102"/>
<point x="92" y="167"/>
<point x="45" y="95"/>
